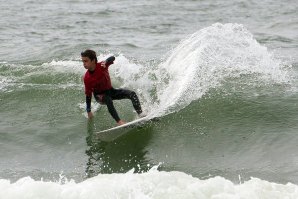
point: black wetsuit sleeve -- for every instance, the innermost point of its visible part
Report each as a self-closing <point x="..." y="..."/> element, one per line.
<point x="88" y="103"/>
<point x="110" y="60"/>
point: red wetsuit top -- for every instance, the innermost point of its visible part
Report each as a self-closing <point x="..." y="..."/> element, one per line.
<point x="97" y="81"/>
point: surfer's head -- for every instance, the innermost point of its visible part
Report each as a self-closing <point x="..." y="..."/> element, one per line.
<point x="89" y="59"/>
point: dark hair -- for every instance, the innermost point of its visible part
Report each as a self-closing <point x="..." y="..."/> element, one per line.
<point x="91" y="54"/>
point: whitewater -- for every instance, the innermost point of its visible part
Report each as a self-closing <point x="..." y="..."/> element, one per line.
<point x="153" y="184"/>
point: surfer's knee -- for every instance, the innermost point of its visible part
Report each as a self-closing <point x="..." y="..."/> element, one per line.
<point x="106" y="99"/>
<point x="132" y="95"/>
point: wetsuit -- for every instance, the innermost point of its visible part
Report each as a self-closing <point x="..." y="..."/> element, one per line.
<point x="98" y="82"/>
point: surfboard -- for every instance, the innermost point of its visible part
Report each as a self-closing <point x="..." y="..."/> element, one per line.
<point x="111" y="134"/>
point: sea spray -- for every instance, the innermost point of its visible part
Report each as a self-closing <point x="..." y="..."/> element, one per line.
<point x="208" y="58"/>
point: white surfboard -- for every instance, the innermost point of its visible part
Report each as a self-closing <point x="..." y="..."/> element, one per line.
<point x="115" y="132"/>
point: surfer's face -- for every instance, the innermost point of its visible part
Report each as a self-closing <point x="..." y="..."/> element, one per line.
<point x="88" y="64"/>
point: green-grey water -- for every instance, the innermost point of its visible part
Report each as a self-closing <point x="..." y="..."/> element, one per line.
<point x="221" y="77"/>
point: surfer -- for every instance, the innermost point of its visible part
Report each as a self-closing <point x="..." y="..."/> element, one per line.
<point x="97" y="81"/>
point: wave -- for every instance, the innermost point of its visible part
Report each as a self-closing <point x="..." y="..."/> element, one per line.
<point x="149" y="185"/>
<point x="52" y="75"/>
<point x="208" y="59"/>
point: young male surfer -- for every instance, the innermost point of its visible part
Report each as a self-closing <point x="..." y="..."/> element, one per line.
<point x="97" y="81"/>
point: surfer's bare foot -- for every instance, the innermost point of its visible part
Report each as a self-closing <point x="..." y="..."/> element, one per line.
<point x="142" y="115"/>
<point x="120" y="122"/>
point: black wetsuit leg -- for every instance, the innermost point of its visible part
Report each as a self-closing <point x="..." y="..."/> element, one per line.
<point x="118" y="94"/>
<point x="107" y="99"/>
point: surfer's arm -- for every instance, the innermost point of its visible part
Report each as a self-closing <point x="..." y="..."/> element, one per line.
<point x="88" y="92"/>
<point x="88" y="107"/>
<point x="109" y="61"/>
<point x="88" y="103"/>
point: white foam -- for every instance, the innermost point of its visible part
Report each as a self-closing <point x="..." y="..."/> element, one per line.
<point x="4" y="82"/>
<point x="94" y="108"/>
<point x="150" y="185"/>
<point x="134" y="77"/>
<point x="67" y="66"/>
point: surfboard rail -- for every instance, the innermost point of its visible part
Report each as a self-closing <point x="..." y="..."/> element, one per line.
<point x="113" y="133"/>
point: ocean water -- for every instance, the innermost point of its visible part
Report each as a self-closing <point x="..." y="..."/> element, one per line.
<point x="220" y="76"/>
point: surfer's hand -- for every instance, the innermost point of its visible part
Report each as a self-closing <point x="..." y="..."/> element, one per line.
<point x="103" y="64"/>
<point x="90" y="115"/>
